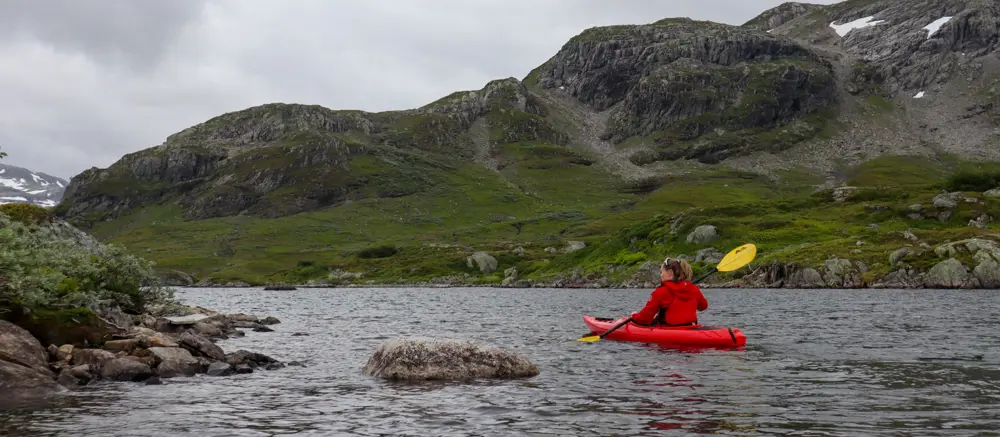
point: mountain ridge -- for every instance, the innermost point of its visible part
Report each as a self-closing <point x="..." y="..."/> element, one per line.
<point x="801" y="99"/>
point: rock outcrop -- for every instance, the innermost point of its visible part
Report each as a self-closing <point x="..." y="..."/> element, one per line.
<point x="420" y="359"/>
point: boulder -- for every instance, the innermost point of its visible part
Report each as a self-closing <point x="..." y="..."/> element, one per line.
<point x="18" y="382"/>
<point x="573" y="246"/>
<point x="201" y="346"/>
<point x="710" y="255"/>
<point x="805" y="278"/>
<point x="252" y="359"/>
<point x="124" y="369"/>
<point x="127" y="345"/>
<point x="988" y="274"/>
<point x="95" y="358"/>
<point x="703" y="234"/>
<point x="18" y="346"/>
<point x="900" y="279"/>
<point x="111" y="313"/>
<point x="174" y="361"/>
<point x="220" y="369"/>
<point x="485" y="262"/>
<point x="950" y="273"/>
<point x="994" y="193"/>
<point x="946" y="200"/>
<point x="898" y="255"/>
<point x="207" y="330"/>
<point x="421" y="359"/>
<point x="270" y="321"/>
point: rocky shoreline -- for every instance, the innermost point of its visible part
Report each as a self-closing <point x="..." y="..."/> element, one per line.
<point x="145" y="348"/>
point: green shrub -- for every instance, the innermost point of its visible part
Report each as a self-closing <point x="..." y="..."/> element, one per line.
<point x="26" y="213"/>
<point x="39" y="269"/>
<point x="973" y="181"/>
<point x="378" y="252"/>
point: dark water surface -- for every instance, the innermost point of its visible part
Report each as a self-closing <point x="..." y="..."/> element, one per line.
<point x="894" y="363"/>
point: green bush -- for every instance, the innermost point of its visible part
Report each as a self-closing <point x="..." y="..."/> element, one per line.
<point x="26" y="213"/>
<point x="972" y="181"/>
<point x="378" y="252"/>
<point x="40" y="269"/>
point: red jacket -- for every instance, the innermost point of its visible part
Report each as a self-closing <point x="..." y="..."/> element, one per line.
<point x="679" y="299"/>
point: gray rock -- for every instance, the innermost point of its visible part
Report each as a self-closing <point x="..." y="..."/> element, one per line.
<point x="948" y="201"/>
<point x="200" y="345"/>
<point x="944" y="216"/>
<point x="81" y="373"/>
<point x="19" y="347"/>
<point x="68" y="380"/>
<point x="270" y="321"/>
<point x="988" y="274"/>
<point x="95" y="358"/>
<point x="174" y="361"/>
<point x="994" y="193"/>
<point x="950" y="273"/>
<point x="806" y="278"/>
<point x="703" y="234"/>
<point x="916" y="208"/>
<point x="710" y="255"/>
<point x="419" y="359"/>
<point x="124" y="369"/>
<point x="262" y="329"/>
<point x="573" y="246"/>
<point x="900" y="279"/>
<point x="19" y="382"/>
<point x="127" y="345"/>
<point x="483" y="261"/>
<point x="898" y="255"/>
<point x="112" y="314"/>
<point x="253" y="359"/>
<point x="220" y="369"/>
<point x="207" y="329"/>
<point x="274" y="366"/>
<point x="242" y="368"/>
<point x="154" y="380"/>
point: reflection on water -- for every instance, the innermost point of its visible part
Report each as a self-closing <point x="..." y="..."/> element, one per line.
<point x="816" y="363"/>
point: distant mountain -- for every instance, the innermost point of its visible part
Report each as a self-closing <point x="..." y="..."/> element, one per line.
<point x="20" y="185"/>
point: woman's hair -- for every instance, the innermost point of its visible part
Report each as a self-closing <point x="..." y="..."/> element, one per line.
<point x="681" y="268"/>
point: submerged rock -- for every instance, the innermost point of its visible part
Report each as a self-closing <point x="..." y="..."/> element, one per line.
<point x="422" y="359"/>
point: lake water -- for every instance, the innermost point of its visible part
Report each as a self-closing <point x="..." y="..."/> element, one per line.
<point x="836" y="362"/>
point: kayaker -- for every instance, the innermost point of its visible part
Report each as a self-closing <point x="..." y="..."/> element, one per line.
<point x="676" y="301"/>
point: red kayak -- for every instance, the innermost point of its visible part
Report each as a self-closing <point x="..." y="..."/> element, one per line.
<point x="694" y="335"/>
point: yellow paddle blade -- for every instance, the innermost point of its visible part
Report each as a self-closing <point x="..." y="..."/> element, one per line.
<point x="737" y="258"/>
<point x="590" y="338"/>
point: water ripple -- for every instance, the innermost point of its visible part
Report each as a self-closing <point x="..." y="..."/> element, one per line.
<point x="826" y="363"/>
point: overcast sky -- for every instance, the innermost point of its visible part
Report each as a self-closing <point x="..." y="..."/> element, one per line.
<point x="84" y="82"/>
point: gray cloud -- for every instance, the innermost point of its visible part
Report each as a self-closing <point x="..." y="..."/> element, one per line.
<point x="89" y="82"/>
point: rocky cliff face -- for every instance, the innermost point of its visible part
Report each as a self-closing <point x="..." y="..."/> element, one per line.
<point x="677" y="80"/>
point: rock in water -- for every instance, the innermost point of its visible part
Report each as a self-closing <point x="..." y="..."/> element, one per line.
<point x="421" y="359"/>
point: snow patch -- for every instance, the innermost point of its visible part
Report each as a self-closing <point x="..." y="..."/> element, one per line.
<point x="919" y="95"/>
<point x="772" y="30"/>
<point x="844" y="29"/>
<point x="935" y="26"/>
<point x="36" y="192"/>
<point x="12" y="183"/>
<point x="16" y="199"/>
<point x="60" y="184"/>
<point x="46" y="203"/>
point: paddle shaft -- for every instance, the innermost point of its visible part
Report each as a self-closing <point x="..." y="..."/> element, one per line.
<point x="629" y="319"/>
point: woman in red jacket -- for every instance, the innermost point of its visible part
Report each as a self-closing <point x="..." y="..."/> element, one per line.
<point x="676" y="301"/>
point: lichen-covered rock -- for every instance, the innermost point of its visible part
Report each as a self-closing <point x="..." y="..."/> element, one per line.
<point x="174" y="361"/>
<point x="424" y="359"/>
<point x="703" y="234"/>
<point x="483" y="261"/>
<point x="950" y="273"/>
<point x="806" y="278"/>
<point x="988" y="274"/>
